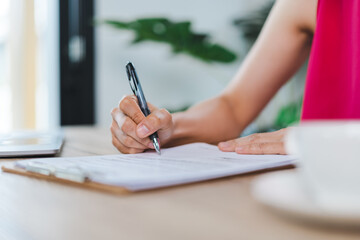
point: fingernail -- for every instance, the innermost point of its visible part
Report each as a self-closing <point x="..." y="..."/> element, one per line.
<point x="224" y="145"/>
<point x="142" y="130"/>
<point x="150" y="145"/>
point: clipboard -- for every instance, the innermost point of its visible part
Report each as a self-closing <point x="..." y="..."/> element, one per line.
<point x="87" y="183"/>
<point x="196" y="162"/>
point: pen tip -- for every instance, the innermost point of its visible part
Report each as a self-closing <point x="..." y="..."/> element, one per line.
<point x="157" y="145"/>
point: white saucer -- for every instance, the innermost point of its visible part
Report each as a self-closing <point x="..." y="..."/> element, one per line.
<point x="284" y="193"/>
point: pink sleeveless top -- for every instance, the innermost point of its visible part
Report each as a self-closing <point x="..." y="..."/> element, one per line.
<point x="333" y="82"/>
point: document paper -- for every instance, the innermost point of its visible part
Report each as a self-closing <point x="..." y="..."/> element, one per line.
<point x="184" y="164"/>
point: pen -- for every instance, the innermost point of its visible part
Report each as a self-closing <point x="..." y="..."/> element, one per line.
<point x="137" y="90"/>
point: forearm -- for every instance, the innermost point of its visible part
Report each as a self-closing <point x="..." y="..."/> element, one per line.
<point x="282" y="47"/>
<point x="210" y="121"/>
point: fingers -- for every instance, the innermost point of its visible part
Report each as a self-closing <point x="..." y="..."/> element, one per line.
<point x="158" y="119"/>
<point x="123" y="149"/>
<point x="261" y="148"/>
<point x="261" y="138"/>
<point x="124" y="126"/>
<point x="125" y="143"/>
<point x="231" y="145"/>
<point x="260" y="143"/>
<point x="129" y="106"/>
<point x="123" y="131"/>
<point x="126" y="135"/>
<point x="228" y="146"/>
<point x="130" y="128"/>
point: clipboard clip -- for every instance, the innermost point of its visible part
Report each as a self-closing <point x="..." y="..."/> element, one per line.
<point x="75" y="173"/>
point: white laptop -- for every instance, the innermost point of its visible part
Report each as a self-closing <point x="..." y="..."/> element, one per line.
<point x="30" y="143"/>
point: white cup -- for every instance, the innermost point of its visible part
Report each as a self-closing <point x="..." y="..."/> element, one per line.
<point x="329" y="162"/>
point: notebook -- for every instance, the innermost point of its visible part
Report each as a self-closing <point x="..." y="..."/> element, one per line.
<point x="135" y="172"/>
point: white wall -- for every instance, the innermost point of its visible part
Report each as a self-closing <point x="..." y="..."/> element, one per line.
<point x="169" y="80"/>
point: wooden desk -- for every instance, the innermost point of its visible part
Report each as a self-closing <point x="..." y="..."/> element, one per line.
<point x="219" y="209"/>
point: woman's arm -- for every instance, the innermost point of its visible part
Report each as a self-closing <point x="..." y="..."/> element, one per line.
<point x="280" y="50"/>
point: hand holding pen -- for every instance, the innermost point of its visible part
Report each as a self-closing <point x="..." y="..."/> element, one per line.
<point x="138" y="92"/>
<point x="133" y="127"/>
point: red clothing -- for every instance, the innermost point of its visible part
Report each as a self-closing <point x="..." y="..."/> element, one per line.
<point x="333" y="82"/>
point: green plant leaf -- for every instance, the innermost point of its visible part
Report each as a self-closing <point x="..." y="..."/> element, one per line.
<point x="251" y="24"/>
<point x="177" y="34"/>
<point x="289" y="115"/>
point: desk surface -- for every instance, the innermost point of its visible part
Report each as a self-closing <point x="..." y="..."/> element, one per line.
<point x="218" y="209"/>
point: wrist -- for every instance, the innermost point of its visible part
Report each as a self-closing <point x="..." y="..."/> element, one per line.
<point x="180" y="133"/>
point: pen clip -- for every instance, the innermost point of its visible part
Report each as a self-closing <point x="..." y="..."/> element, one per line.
<point x="130" y="70"/>
<point x="136" y="88"/>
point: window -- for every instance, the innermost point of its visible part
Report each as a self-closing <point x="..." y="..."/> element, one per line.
<point x="29" y="62"/>
<point x="5" y="93"/>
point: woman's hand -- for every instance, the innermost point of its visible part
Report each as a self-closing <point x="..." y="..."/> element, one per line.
<point x="258" y="143"/>
<point x="130" y="129"/>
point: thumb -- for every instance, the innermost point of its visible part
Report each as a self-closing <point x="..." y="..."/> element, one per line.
<point x="159" y="119"/>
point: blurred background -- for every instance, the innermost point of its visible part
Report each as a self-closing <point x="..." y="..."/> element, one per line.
<point x="62" y="61"/>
